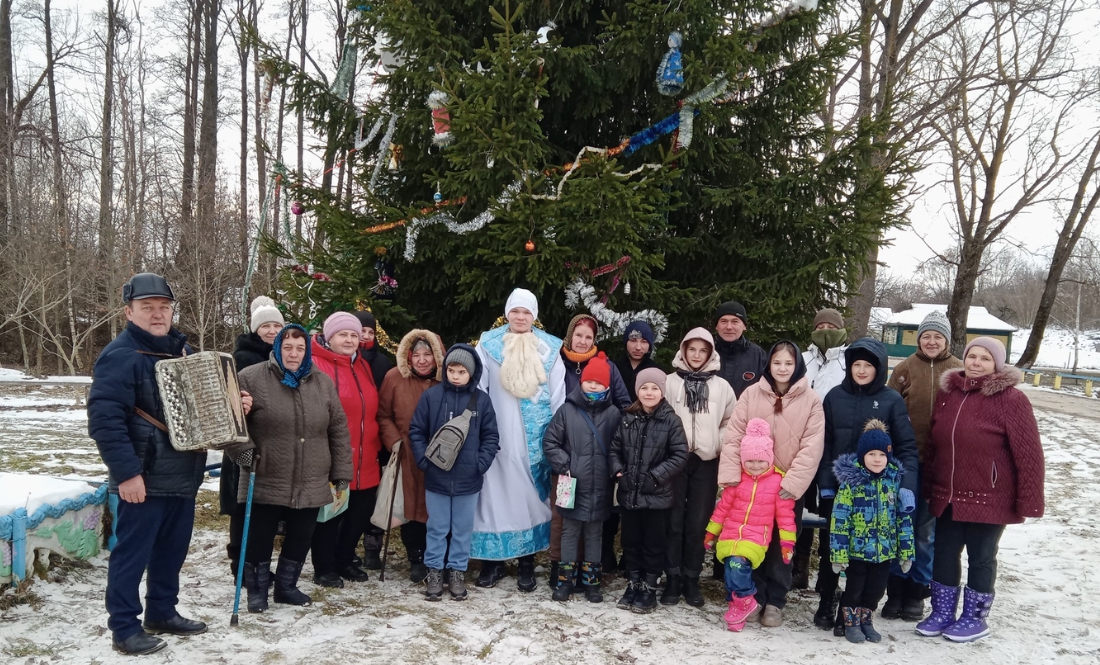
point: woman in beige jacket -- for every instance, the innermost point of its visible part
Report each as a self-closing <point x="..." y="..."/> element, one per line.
<point x="704" y="401"/>
<point x="793" y="409"/>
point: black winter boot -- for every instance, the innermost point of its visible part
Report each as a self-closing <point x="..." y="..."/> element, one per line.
<point x="672" y="591"/>
<point x="592" y="578"/>
<point x="564" y="588"/>
<point x="646" y="600"/>
<point x="372" y="560"/>
<point x="633" y="586"/>
<point x="825" y="616"/>
<point x="286" y="583"/>
<point x="852" y="625"/>
<point x="912" y="603"/>
<point x="553" y="581"/>
<point x="526" y="574"/>
<point x="354" y="573"/>
<point x="895" y="592"/>
<point x="331" y="580"/>
<point x="417" y="570"/>
<point x="692" y="594"/>
<point x="867" y="625"/>
<point x="257" y="578"/>
<point x="800" y="574"/>
<point x="491" y="573"/>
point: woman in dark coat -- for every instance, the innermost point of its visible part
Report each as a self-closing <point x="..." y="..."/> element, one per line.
<point x="984" y="469"/>
<point x="298" y="445"/>
<point x="577" y="442"/>
<point x="252" y="348"/>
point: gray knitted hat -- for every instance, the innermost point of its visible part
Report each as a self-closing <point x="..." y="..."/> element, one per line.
<point x="460" y="356"/>
<point x="937" y="322"/>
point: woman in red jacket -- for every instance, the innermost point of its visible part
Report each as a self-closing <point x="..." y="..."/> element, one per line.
<point x="983" y="469"/>
<point x="337" y="354"/>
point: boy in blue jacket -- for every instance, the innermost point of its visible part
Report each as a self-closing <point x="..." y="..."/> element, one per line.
<point x="451" y="496"/>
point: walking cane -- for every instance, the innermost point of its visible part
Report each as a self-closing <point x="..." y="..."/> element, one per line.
<point x="389" y="519"/>
<point x="244" y="543"/>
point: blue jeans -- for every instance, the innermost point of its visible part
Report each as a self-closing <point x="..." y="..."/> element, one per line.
<point x="739" y="578"/>
<point x="153" y="538"/>
<point x="454" y="515"/>
<point x="924" y="539"/>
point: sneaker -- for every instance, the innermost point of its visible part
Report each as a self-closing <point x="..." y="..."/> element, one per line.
<point x="434" y="588"/>
<point x="456" y="580"/>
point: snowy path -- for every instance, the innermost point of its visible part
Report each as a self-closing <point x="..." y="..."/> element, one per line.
<point x="1046" y="610"/>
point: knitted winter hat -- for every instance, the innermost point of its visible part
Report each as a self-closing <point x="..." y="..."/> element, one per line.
<point x="460" y="356"/>
<point x="598" y="370"/>
<point x="757" y="442"/>
<point x="935" y="321"/>
<point x="995" y="347"/>
<point x="829" y="315"/>
<point x="731" y="308"/>
<point x="265" y="311"/>
<point x="639" y="329"/>
<point x="860" y="353"/>
<point x="650" y="375"/>
<point x="874" y="437"/>
<point x="367" y="320"/>
<point x="341" y="321"/>
<point x="522" y="298"/>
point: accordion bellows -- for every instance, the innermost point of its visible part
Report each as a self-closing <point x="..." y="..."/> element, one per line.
<point x="202" y="401"/>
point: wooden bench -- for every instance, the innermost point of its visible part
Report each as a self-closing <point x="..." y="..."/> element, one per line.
<point x="1076" y="377"/>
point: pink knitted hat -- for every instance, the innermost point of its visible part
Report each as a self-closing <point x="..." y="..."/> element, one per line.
<point x="341" y="321"/>
<point x="757" y="442"/>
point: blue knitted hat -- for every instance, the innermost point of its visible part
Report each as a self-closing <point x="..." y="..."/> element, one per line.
<point x="875" y="437"/>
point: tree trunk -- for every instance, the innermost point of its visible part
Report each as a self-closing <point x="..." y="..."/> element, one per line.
<point x="962" y="294"/>
<point x="190" y="113"/>
<point x="301" y="114"/>
<point x="242" y="58"/>
<point x="107" y="167"/>
<point x="7" y="132"/>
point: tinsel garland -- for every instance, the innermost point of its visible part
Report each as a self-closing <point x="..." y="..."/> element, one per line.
<point x="612" y="324"/>
<point x="413" y="227"/>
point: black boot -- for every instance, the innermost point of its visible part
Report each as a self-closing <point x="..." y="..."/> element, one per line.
<point x="825" y="616"/>
<point x="330" y="580"/>
<point x="286" y="583"/>
<point x="692" y="594"/>
<point x="553" y="581"/>
<point x="417" y="570"/>
<point x="800" y="574"/>
<point x="354" y="573"/>
<point x="139" y="644"/>
<point x="526" y="574"/>
<point x="633" y="586"/>
<point x="895" y="591"/>
<point x="592" y="577"/>
<point x="257" y="578"/>
<point x="912" y="603"/>
<point x="491" y="574"/>
<point x="177" y="625"/>
<point x="564" y="588"/>
<point x="672" y="591"/>
<point x="646" y="600"/>
<point x="372" y="560"/>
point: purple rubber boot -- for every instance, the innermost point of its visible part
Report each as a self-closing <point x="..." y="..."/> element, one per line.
<point x="971" y="625"/>
<point x="945" y="602"/>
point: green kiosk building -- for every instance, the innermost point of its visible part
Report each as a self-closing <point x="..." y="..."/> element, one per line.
<point x="899" y="330"/>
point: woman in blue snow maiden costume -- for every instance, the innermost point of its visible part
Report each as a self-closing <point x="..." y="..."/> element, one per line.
<point x="525" y="377"/>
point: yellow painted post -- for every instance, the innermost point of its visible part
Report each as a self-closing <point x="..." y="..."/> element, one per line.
<point x="1088" y="388"/>
<point x="1057" y="381"/>
<point x="1038" y="377"/>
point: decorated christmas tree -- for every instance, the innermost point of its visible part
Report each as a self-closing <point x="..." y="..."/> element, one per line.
<point x="636" y="158"/>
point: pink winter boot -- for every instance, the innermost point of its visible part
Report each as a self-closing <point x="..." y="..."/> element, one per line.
<point x="740" y="609"/>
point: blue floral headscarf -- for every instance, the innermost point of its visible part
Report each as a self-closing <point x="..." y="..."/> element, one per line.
<point x="292" y="379"/>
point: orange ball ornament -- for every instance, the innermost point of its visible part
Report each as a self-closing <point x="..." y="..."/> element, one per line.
<point x="530" y="246"/>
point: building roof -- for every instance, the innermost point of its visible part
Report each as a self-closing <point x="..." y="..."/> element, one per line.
<point x="978" y="318"/>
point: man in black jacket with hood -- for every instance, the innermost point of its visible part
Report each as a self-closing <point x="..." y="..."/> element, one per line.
<point x="743" y="362"/>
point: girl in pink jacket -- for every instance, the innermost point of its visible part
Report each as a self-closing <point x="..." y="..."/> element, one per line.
<point x="745" y="518"/>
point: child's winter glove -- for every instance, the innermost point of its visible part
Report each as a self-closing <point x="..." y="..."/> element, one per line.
<point x="708" y="541"/>
<point x="908" y="501"/>
<point x="788" y="552"/>
<point x="839" y="568"/>
<point x="905" y="564"/>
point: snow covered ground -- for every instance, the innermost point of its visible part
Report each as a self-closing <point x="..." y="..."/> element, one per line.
<point x="1045" y="612"/>
<point x="1057" y="348"/>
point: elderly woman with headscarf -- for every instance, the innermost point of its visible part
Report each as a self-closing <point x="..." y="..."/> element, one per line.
<point x="525" y="377"/>
<point x="298" y="445"/>
<point x="419" y="367"/>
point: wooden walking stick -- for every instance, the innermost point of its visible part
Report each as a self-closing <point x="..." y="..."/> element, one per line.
<point x="389" y="518"/>
<point x="244" y="543"/>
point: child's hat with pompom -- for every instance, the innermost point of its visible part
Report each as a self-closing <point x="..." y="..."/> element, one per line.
<point x="875" y="437"/>
<point x="265" y="311"/>
<point x="757" y="442"/>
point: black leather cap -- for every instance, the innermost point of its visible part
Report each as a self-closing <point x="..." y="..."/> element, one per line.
<point x="146" y="285"/>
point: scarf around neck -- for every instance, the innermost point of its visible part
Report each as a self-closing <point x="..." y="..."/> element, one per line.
<point x="698" y="392"/>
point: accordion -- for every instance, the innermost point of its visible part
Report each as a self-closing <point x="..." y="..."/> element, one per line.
<point x="202" y="401"/>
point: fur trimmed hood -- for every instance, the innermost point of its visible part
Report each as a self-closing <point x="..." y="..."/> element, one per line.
<point x="406" y="345"/>
<point x="849" y="471"/>
<point x="989" y="385"/>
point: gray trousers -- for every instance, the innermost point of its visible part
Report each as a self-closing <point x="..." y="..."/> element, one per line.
<point x="571" y="536"/>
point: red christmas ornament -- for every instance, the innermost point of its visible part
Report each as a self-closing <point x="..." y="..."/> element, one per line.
<point x="297" y="208"/>
<point x="530" y="246"/>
